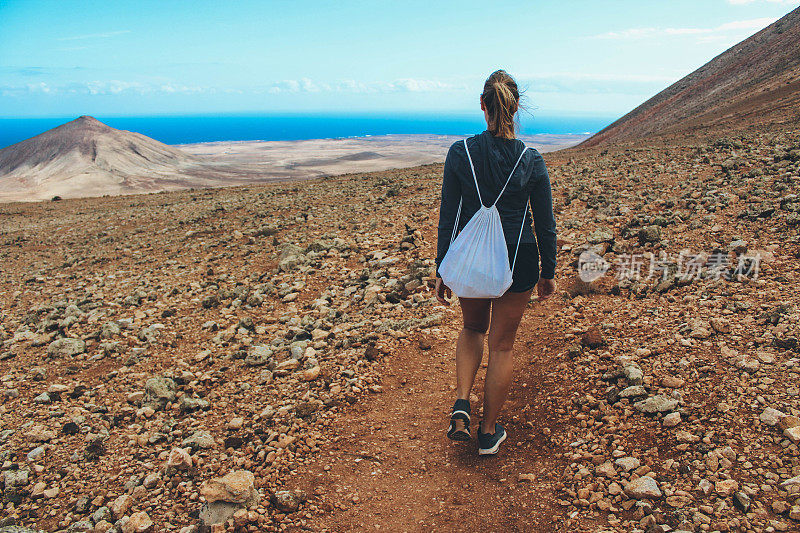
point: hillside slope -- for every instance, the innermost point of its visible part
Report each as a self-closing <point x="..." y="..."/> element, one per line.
<point x="757" y="81"/>
<point x="86" y="157"/>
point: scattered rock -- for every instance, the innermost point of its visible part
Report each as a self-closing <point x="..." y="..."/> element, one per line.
<point x="634" y="391"/>
<point x="627" y="463"/>
<point x="792" y="433"/>
<point x="650" y="234"/>
<point x="158" y="392"/>
<point x="287" y="501"/>
<point x="258" y="355"/>
<point x="671" y="420"/>
<point x="235" y="487"/>
<point x="643" y="487"/>
<point x="16" y="485"/>
<point x="178" y="460"/>
<point x="226" y="495"/>
<point x="672" y="382"/>
<point x="190" y="404"/>
<point x="606" y="470"/>
<point x="199" y="440"/>
<point x="139" y="523"/>
<point x="633" y="374"/>
<point x="771" y="416"/>
<point x="720" y="325"/>
<point x="66" y="347"/>
<point x="741" y="501"/>
<point x="656" y="404"/>
<point x="120" y="506"/>
<point x="726" y="487"/>
<point x="593" y="338"/>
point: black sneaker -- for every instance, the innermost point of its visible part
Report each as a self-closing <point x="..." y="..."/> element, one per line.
<point x="489" y="443"/>
<point x="459" y="421"/>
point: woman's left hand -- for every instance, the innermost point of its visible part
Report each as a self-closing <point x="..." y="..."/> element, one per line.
<point x="442" y="290"/>
<point x="545" y="288"/>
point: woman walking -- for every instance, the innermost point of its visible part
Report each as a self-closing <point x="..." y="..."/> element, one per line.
<point x="496" y="167"/>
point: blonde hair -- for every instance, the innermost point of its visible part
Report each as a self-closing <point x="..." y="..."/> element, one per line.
<point x="501" y="98"/>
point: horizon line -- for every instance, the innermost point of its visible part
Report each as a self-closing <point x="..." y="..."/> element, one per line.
<point x="354" y="113"/>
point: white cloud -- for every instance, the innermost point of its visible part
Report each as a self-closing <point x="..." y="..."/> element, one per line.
<point x="642" y="33"/>
<point x="285" y="86"/>
<point x="553" y="82"/>
<point x="39" y="88"/>
<point x="417" y="85"/>
<point x="177" y="88"/>
<point x="307" y="85"/>
<point x="101" y="87"/>
<point x="116" y="87"/>
<point x="352" y="86"/>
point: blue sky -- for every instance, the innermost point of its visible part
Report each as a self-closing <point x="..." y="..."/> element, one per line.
<point x="66" y="58"/>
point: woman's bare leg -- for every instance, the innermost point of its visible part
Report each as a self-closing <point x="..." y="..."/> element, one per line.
<point x="506" y="314"/>
<point x="469" y="349"/>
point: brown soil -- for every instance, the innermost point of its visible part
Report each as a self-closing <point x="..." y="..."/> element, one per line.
<point x="389" y="466"/>
<point x="385" y="351"/>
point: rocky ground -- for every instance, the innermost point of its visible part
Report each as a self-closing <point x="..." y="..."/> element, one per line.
<point x="687" y="417"/>
<point x="272" y="358"/>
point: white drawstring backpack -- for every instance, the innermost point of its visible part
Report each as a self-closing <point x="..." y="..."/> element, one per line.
<point x="476" y="264"/>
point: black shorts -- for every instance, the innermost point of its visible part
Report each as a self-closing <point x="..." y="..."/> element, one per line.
<point x="526" y="269"/>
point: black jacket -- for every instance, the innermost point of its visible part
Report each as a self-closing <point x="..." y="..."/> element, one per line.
<point x="493" y="158"/>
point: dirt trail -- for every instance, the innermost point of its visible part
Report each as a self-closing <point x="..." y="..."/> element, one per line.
<point x="389" y="466"/>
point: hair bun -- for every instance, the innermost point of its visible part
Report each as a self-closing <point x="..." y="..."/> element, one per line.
<point x="500" y="97"/>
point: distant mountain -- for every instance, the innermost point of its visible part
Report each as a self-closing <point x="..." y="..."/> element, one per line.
<point x="755" y="82"/>
<point x="85" y="157"/>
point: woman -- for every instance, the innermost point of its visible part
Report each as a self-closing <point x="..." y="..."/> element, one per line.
<point x="494" y="153"/>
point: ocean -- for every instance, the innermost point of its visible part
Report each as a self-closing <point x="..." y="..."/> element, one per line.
<point x="183" y="129"/>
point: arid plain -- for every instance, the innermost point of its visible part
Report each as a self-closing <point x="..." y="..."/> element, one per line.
<point x="271" y="357"/>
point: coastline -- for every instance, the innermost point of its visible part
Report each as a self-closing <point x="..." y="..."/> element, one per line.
<point x="235" y="163"/>
<point x="334" y="156"/>
<point x="544" y="142"/>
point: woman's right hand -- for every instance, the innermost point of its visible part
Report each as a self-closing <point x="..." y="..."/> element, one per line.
<point x="441" y="291"/>
<point x="545" y="288"/>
